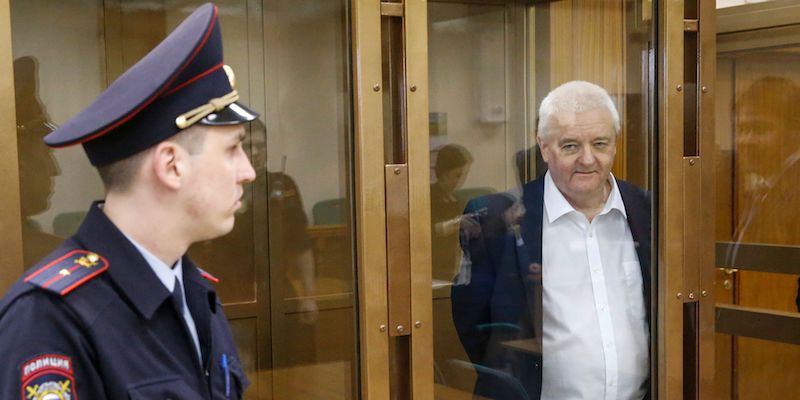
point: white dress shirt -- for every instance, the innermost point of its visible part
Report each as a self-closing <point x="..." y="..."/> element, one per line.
<point x="595" y="343"/>
<point x="171" y="277"/>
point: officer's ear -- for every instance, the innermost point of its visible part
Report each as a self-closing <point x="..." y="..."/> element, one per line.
<point x="169" y="164"/>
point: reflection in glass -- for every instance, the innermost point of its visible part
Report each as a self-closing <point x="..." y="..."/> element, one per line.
<point x="757" y="114"/>
<point x="551" y="293"/>
<point x="451" y="168"/>
<point x="37" y="166"/>
<point x="54" y="200"/>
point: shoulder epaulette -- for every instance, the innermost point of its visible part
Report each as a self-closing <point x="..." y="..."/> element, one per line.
<point x="68" y="271"/>
<point x="208" y="276"/>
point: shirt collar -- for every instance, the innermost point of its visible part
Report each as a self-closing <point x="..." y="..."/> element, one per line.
<point x="614" y="201"/>
<point x="164" y="273"/>
<point x="557" y="205"/>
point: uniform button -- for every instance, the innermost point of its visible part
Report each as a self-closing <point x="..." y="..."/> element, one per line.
<point x="207" y="373"/>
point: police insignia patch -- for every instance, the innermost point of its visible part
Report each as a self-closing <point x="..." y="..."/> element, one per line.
<point x="48" y="377"/>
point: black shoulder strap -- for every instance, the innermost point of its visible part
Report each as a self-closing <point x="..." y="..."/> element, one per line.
<point x="66" y="268"/>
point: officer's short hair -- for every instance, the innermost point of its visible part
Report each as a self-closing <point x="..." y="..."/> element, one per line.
<point x="118" y="176"/>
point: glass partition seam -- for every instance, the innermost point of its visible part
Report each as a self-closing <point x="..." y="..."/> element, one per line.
<point x="653" y="104"/>
<point x="10" y="207"/>
<point x="350" y="187"/>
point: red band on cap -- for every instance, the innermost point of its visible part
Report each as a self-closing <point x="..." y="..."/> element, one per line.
<point x="189" y="82"/>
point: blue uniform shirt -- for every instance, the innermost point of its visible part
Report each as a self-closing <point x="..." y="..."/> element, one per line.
<point x="113" y="332"/>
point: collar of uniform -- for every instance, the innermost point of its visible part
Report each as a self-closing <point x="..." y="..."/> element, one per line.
<point x="164" y="272"/>
<point x="127" y="267"/>
<point x="557" y="205"/>
<point x="193" y="280"/>
<point x="167" y="274"/>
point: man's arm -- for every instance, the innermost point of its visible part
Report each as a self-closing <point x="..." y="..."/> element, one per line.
<point x="472" y="292"/>
<point x="44" y="351"/>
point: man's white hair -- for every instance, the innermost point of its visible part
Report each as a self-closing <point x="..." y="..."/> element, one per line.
<point x="574" y="97"/>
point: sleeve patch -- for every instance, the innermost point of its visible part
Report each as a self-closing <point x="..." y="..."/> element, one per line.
<point x="48" y="376"/>
<point x="69" y="271"/>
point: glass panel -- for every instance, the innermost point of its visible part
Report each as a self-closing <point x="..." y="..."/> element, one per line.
<point x="540" y="289"/>
<point x="757" y="108"/>
<point x="287" y="270"/>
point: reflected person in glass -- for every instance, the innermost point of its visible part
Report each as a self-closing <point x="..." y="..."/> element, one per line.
<point x="766" y="160"/>
<point x="37" y="165"/>
<point x="556" y="305"/>
<point x="451" y="167"/>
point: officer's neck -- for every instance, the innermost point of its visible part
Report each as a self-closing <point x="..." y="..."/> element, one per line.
<point x="147" y="224"/>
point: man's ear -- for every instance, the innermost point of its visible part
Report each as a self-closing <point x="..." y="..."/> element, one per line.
<point x="542" y="144"/>
<point x="169" y="164"/>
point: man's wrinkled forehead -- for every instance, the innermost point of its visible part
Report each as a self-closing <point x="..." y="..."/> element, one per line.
<point x="569" y="118"/>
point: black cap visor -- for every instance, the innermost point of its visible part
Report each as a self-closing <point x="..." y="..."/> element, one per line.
<point x="234" y="114"/>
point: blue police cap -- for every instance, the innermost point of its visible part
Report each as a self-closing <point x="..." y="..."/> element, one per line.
<point x="182" y="81"/>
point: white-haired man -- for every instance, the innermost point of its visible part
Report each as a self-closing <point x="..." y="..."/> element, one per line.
<point x="556" y="306"/>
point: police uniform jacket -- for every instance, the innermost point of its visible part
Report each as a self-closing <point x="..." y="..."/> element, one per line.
<point x="499" y="301"/>
<point x="109" y="329"/>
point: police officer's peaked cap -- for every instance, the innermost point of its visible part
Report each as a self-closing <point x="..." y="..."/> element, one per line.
<point x="181" y="82"/>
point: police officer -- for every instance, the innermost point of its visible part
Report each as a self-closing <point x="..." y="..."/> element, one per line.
<point x="118" y="311"/>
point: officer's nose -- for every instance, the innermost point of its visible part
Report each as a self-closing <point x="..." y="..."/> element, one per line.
<point x="246" y="173"/>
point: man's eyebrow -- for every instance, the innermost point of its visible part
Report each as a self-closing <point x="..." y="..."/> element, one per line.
<point x="566" y="140"/>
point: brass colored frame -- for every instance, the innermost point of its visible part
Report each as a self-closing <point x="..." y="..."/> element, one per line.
<point x="10" y="210"/>
<point x="669" y="265"/>
<point x="759" y="257"/>
<point x="370" y="204"/>
<point x="398" y="248"/>
<point x="416" y="39"/>
<point x="759" y="323"/>
<point x="706" y="223"/>
<point x="685" y="227"/>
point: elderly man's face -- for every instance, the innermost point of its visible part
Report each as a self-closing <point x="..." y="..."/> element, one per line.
<point x="579" y="152"/>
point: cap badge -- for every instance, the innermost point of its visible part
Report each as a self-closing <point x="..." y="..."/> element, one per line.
<point x="188" y="118"/>
<point x="231" y="76"/>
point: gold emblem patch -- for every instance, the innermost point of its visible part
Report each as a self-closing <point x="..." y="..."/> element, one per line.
<point x="53" y="390"/>
<point x="88" y="261"/>
<point x="48" y="377"/>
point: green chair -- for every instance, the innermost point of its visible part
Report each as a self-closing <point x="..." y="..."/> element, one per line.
<point x="329" y="212"/>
